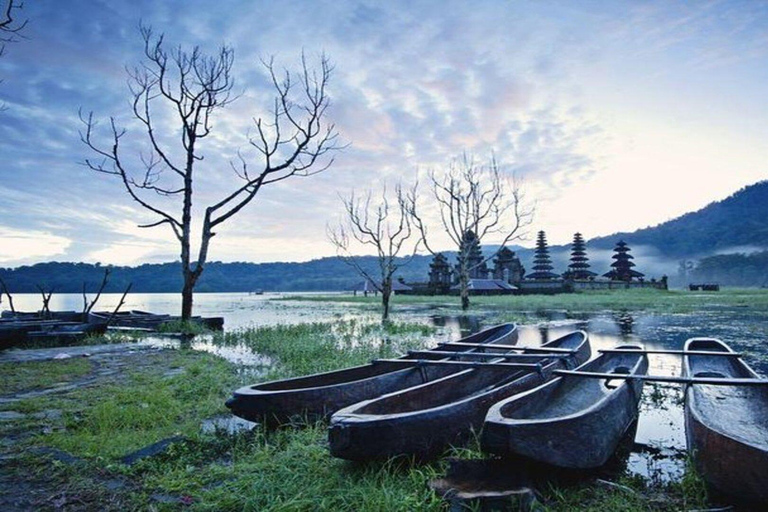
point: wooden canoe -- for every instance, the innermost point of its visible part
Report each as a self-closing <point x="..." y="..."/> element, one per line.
<point x="727" y="426"/>
<point x="320" y="395"/>
<point x="571" y="421"/>
<point x="426" y="419"/>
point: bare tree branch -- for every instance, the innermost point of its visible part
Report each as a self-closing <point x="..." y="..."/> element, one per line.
<point x="476" y="199"/>
<point x="87" y="307"/>
<point x="295" y="141"/>
<point x="8" y="294"/>
<point x="387" y="227"/>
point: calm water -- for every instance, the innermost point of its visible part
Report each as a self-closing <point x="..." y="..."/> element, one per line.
<point x="658" y="450"/>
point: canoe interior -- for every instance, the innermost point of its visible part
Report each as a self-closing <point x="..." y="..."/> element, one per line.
<point x="741" y="412"/>
<point x="505" y="333"/>
<point x="570" y="395"/>
<point x="458" y="386"/>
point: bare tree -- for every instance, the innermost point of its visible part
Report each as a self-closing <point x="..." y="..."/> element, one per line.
<point x="5" y="291"/>
<point x="88" y="306"/>
<point x="46" y="294"/>
<point x="473" y="198"/>
<point x="387" y="228"/>
<point x="10" y="27"/>
<point x="292" y="141"/>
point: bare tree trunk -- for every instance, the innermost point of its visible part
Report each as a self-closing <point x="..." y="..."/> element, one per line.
<point x="187" y="295"/>
<point x="464" y="287"/>
<point x="386" y="292"/>
<point x="46" y="311"/>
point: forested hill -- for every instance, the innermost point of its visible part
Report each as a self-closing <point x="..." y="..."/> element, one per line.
<point x="739" y="221"/>
<point x="321" y="274"/>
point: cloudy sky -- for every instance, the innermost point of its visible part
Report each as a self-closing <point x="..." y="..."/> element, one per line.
<point x="616" y="115"/>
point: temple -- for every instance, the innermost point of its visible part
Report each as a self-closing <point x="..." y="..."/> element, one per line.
<point x="508" y="275"/>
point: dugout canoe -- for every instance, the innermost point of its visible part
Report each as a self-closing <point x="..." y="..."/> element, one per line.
<point x="726" y="427"/>
<point x="427" y="418"/>
<point x="571" y="421"/>
<point x="320" y="395"/>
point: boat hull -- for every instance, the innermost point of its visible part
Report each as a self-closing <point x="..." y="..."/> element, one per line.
<point x="426" y="419"/>
<point x="569" y="422"/>
<point x="727" y="426"/>
<point x="320" y="395"/>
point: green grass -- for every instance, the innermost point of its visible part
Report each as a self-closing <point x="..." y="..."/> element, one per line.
<point x="672" y="301"/>
<point x="40" y="374"/>
<point x="183" y="326"/>
<point x="112" y="420"/>
<point x="317" y="347"/>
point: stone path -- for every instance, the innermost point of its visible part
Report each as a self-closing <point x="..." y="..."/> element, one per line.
<point x="19" y="489"/>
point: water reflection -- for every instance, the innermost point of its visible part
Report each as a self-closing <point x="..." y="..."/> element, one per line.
<point x="457" y="326"/>
<point x="655" y="446"/>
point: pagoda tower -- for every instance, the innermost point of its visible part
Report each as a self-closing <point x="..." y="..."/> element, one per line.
<point x="578" y="268"/>
<point x="542" y="263"/>
<point x="622" y="265"/>
<point x="471" y="253"/>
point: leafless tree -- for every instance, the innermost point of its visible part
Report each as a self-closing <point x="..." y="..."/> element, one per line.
<point x="385" y="227"/>
<point x="46" y="294"/>
<point x="10" y="26"/>
<point x="473" y="197"/>
<point x="293" y="141"/>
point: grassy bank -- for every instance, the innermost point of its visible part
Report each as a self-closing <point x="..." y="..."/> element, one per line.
<point x="132" y="400"/>
<point x="671" y="301"/>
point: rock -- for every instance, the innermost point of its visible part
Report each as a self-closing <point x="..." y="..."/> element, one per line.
<point x="11" y="416"/>
<point x="50" y="414"/>
<point x="57" y="454"/>
<point x="227" y="424"/>
<point x="151" y="450"/>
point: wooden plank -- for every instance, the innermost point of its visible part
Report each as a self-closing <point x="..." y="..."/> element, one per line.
<point x="673" y="352"/>
<point x="715" y="381"/>
<point x="470" y="364"/>
<point x="508" y="347"/>
<point x="482" y="355"/>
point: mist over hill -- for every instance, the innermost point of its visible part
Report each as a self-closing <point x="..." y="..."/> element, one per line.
<point x="724" y="242"/>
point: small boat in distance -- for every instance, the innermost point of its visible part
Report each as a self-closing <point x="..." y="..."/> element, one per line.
<point x="426" y="419"/>
<point x="571" y="421"/>
<point x="320" y="395"/>
<point x="726" y="427"/>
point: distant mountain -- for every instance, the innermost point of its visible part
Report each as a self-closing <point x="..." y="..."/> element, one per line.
<point x="736" y="225"/>
<point x="316" y="275"/>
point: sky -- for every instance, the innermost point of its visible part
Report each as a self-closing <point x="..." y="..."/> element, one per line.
<point x="613" y="115"/>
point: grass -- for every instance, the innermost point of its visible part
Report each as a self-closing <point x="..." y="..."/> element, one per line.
<point x="40" y="374"/>
<point x="171" y="392"/>
<point x="183" y="327"/>
<point x="317" y="347"/>
<point x="649" y="300"/>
